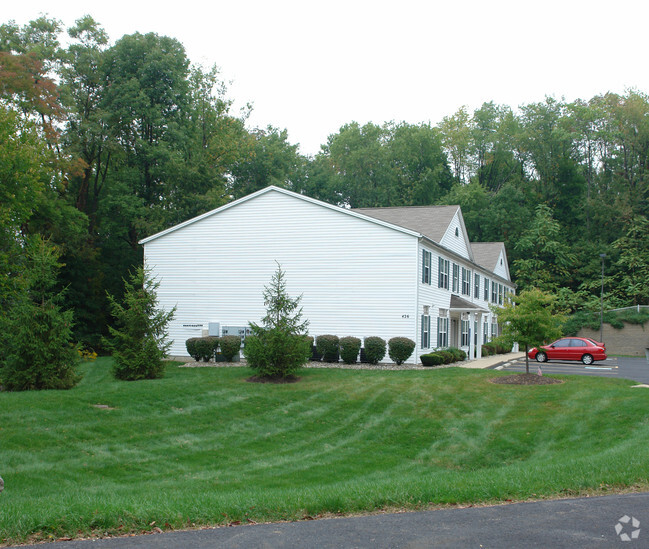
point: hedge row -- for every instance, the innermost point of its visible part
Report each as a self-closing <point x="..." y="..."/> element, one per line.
<point x="331" y="348"/>
<point x="205" y="348"/>
<point x="444" y="356"/>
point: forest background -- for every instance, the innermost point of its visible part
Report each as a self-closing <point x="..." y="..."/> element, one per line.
<point x="103" y="144"/>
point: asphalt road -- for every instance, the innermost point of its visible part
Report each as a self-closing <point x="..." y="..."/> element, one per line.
<point x="634" y="368"/>
<point x="607" y="521"/>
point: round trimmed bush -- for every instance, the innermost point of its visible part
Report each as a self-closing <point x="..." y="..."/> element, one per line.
<point x="191" y="348"/>
<point x="328" y="346"/>
<point x="349" y="349"/>
<point x="230" y="346"/>
<point x="431" y="359"/>
<point x="374" y="349"/>
<point x="400" y="349"/>
<point x="206" y="347"/>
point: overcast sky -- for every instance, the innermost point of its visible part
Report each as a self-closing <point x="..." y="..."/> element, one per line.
<point x="311" y="67"/>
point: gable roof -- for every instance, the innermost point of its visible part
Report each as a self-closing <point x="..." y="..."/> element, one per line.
<point x="486" y="254"/>
<point x="273" y="188"/>
<point x="430" y="221"/>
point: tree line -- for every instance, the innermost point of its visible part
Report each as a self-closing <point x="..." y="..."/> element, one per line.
<point x="103" y="144"/>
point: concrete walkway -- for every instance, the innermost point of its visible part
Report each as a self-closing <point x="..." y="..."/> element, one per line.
<point x="491" y="361"/>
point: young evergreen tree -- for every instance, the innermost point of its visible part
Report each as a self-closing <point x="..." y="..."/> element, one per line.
<point x="36" y="334"/>
<point x="278" y="348"/>
<point x="138" y="339"/>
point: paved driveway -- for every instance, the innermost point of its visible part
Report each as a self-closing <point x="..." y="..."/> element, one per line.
<point x="609" y="521"/>
<point x="635" y="368"/>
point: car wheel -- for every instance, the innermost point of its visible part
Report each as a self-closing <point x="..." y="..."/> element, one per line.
<point x="541" y="357"/>
<point x="587" y="359"/>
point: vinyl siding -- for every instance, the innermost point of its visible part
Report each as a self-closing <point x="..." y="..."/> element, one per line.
<point x="457" y="244"/>
<point x="356" y="277"/>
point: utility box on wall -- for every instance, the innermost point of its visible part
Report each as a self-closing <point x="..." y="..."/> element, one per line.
<point x="241" y="331"/>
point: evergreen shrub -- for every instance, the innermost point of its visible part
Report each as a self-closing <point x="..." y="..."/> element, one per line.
<point x="350" y="347"/>
<point x="447" y="356"/>
<point x="374" y="349"/>
<point x="230" y="346"/>
<point x="458" y="354"/>
<point x="36" y="349"/>
<point x="400" y="349"/>
<point x="328" y="346"/>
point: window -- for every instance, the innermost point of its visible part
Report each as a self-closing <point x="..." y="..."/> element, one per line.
<point x="476" y="285"/>
<point x="464" y="329"/>
<point x="425" y="331"/>
<point x="456" y="278"/>
<point x="442" y="332"/>
<point x="494" y="327"/>
<point x="425" y="266"/>
<point x="501" y="293"/>
<point x="466" y="281"/>
<point x="485" y="332"/>
<point x="442" y="280"/>
<point x="494" y="292"/>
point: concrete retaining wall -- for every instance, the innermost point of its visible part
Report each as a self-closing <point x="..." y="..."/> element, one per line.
<point x="632" y="340"/>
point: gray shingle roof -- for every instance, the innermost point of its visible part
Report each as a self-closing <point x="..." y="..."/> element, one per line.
<point x="486" y="254"/>
<point x="431" y="221"/>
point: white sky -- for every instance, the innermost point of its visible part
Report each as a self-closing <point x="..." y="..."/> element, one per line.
<point x="312" y="67"/>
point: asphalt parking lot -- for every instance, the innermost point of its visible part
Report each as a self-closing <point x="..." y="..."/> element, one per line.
<point x="634" y="368"/>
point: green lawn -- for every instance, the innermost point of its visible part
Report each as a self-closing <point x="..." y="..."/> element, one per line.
<point x="203" y="446"/>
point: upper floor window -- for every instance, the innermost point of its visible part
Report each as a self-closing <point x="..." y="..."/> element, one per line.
<point x="442" y="280"/>
<point x="466" y="281"/>
<point x="476" y="285"/>
<point x="425" y="266"/>
<point x="486" y="289"/>
<point x="494" y="291"/>
<point x="456" y="278"/>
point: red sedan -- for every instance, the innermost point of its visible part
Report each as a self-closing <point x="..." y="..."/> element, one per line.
<point x="570" y="348"/>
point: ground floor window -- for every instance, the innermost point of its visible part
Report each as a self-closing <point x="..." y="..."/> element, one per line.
<point x="494" y="328"/>
<point x="464" y="330"/>
<point x="425" y="331"/>
<point x="485" y="332"/>
<point x="442" y="332"/>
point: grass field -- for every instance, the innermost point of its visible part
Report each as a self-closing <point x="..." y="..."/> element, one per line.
<point x="203" y="446"/>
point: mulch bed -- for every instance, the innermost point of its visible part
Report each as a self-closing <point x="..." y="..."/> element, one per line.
<point x="525" y="379"/>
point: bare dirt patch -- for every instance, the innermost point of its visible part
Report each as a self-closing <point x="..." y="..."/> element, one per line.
<point x="273" y="379"/>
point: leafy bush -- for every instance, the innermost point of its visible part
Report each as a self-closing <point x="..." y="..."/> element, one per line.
<point x="487" y="350"/>
<point x="138" y="339"/>
<point x="278" y="348"/>
<point x="400" y="349"/>
<point x="374" y="349"/>
<point x="350" y="347"/>
<point x="190" y="344"/>
<point x="230" y="346"/>
<point x="205" y="347"/>
<point x="432" y="359"/>
<point x="328" y="346"/>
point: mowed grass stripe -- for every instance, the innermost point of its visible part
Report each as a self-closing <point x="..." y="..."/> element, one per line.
<point x="203" y="446"/>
